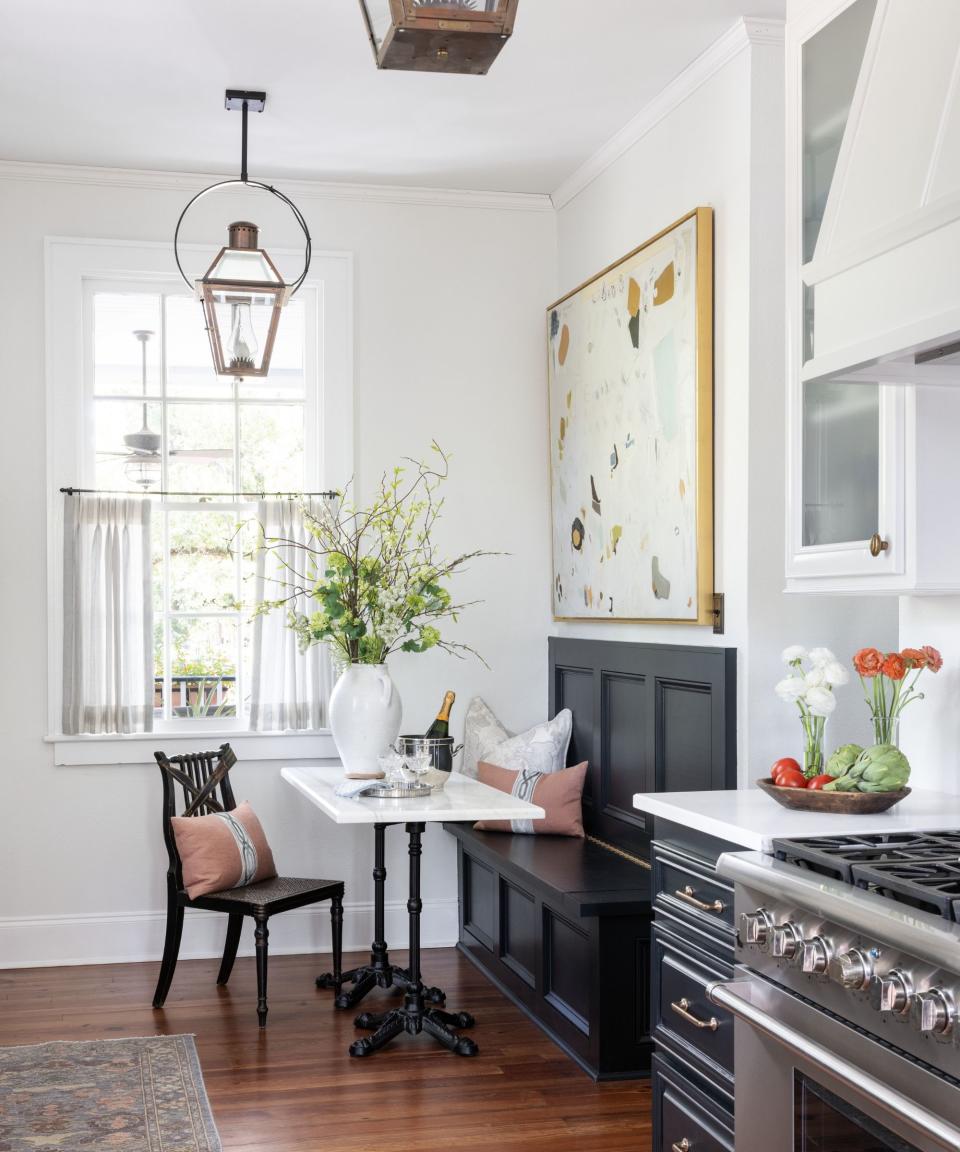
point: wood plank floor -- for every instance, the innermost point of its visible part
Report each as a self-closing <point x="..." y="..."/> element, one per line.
<point x="293" y="1088"/>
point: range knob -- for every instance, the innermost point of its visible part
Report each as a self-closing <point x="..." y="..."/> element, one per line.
<point x="853" y="969"/>
<point x="815" y="956"/>
<point x="892" y="992"/>
<point x="786" y="940"/>
<point x="933" y="1012"/>
<point x="756" y="927"/>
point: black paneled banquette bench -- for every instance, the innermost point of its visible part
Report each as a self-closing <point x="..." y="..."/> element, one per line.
<point x="562" y="926"/>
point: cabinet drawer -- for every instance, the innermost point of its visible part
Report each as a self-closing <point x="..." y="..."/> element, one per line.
<point x="683" y="1015"/>
<point x="692" y="891"/>
<point x="685" y="1120"/>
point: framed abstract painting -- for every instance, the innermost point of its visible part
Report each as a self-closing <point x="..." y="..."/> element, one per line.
<point x="630" y="369"/>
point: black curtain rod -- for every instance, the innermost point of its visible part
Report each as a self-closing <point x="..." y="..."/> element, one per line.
<point x="161" y="492"/>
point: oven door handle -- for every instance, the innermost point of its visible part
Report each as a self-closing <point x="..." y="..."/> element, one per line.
<point x="888" y="1099"/>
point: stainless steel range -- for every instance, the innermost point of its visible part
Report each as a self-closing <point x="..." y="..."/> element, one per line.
<point x="847" y="995"/>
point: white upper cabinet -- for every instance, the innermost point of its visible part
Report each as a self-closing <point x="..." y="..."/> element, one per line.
<point x="873" y="296"/>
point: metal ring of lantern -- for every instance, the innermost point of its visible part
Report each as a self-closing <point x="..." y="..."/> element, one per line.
<point x="298" y="216"/>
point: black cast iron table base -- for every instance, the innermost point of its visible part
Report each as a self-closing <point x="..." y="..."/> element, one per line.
<point x="379" y="973"/>
<point x="418" y="1012"/>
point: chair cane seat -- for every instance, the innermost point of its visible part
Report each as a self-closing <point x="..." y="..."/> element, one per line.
<point x="279" y="888"/>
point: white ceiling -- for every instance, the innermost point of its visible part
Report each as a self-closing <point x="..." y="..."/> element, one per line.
<point x="121" y="83"/>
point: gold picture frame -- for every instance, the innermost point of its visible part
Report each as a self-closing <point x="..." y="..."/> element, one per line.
<point x="631" y="396"/>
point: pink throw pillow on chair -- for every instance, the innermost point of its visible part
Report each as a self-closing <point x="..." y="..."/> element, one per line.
<point x="223" y="850"/>
<point x="559" y="794"/>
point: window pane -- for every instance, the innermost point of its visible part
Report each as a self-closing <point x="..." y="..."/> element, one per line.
<point x="200" y="438"/>
<point x="116" y="351"/>
<point x="271" y="447"/>
<point x="117" y="465"/>
<point x="203" y="571"/>
<point x="189" y="359"/>
<point x="286" y="379"/>
<point x="841" y="462"/>
<point x="203" y="665"/>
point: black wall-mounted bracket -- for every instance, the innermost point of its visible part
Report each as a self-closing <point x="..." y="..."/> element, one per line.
<point x="718" y="610"/>
<point x="235" y="98"/>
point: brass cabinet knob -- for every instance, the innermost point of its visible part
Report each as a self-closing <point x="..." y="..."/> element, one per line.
<point x="878" y="544"/>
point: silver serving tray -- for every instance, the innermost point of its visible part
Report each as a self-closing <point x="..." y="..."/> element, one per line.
<point x="396" y="791"/>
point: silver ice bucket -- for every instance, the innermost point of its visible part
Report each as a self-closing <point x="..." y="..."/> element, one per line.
<point x="442" y="750"/>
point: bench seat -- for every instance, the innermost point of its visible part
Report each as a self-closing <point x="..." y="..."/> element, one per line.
<point x="562" y="927"/>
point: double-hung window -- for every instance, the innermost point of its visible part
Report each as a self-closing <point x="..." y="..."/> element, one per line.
<point x="136" y="407"/>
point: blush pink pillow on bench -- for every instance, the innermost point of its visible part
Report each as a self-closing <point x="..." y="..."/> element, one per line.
<point x="221" y="851"/>
<point x="559" y="794"/>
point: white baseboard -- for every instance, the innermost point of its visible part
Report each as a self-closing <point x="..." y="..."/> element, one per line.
<point x="129" y="937"/>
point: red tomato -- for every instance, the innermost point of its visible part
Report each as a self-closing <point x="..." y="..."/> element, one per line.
<point x="787" y="764"/>
<point x="817" y="782"/>
<point x="791" y="779"/>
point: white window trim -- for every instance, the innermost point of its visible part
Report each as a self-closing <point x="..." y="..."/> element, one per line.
<point x="68" y="263"/>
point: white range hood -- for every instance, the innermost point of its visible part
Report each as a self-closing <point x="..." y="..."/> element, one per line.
<point x="884" y="281"/>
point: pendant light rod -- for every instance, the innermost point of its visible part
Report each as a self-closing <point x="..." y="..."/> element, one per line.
<point x="236" y="99"/>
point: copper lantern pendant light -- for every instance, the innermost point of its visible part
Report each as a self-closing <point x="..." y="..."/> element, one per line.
<point x="463" y="36"/>
<point x="242" y="292"/>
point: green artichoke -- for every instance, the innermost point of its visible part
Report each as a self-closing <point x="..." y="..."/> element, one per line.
<point x="843" y="759"/>
<point x="882" y="768"/>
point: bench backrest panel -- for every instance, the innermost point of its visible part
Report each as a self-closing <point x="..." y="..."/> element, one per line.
<point x="648" y="718"/>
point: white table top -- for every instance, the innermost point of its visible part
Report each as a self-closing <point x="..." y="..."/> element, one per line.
<point x="461" y="799"/>
<point x="754" y="820"/>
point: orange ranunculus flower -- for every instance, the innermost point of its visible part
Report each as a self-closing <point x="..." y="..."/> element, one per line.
<point x="894" y="667"/>
<point x="934" y="659"/>
<point x="867" y="662"/>
<point x="914" y="658"/>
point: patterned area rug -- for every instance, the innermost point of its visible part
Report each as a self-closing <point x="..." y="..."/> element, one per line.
<point x="142" y="1094"/>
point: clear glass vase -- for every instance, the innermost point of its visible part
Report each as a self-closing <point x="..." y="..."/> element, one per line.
<point x="886" y="730"/>
<point x="813" y="742"/>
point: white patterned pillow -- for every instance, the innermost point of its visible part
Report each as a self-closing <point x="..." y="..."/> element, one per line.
<point x="542" y="748"/>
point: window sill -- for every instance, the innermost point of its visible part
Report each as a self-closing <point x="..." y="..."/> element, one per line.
<point x="138" y="748"/>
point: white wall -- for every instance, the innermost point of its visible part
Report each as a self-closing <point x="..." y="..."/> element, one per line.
<point x="448" y="343"/>
<point x="930" y="729"/>
<point x="722" y="145"/>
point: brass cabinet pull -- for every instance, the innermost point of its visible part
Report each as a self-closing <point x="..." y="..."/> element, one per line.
<point x="683" y="1146"/>
<point x="682" y="1009"/>
<point x="878" y="545"/>
<point x="688" y="896"/>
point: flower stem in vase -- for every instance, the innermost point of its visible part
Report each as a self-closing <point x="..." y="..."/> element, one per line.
<point x="813" y="734"/>
<point x="886" y="730"/>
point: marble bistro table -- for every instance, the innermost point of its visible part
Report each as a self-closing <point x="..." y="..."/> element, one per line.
<point x="462" y="799"/>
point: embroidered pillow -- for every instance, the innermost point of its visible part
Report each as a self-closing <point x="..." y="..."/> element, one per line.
<point x="557" y="793"/>
<point x="542" y="748"/>
<point x="223" y="850"/>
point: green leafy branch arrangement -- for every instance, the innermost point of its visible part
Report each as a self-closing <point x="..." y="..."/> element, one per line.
<point x="373" y="573"/>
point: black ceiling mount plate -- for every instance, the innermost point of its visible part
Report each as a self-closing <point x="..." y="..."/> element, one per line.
<point x="234" y="98"/>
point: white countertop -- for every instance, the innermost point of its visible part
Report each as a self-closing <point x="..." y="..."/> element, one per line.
<point x="461" y="799"/>
<point x="752" y="819"/>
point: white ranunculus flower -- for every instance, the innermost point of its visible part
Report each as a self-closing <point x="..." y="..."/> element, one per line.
<point x="815" y="677"/>
<point x="821" y="701"/>
<point x="834" y="673"/>
<point x="821" y="656"/>
<point x="791" y="689"/>
<point x="793" y="653"/>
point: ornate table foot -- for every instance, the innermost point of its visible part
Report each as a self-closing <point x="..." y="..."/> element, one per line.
<point x="452" y="1019"/>
<point x="392" y="1025"/>
<point x="328" y="980"/>
<point x="401" y="980"/>
<point x="364" y="980"/>
<point x="436" y="1024"/>
<point x="370" y="1020"/>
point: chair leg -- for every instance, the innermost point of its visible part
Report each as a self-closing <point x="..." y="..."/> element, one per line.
<point x="336" y="936"/>
<point x="171" y="949"/>
<point x="261" y="936"/>
<point x="234" y="928"/>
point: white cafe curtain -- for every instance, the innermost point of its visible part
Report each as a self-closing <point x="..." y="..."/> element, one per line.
<point x="107" y="615"/>
<point x="290" y="689"/>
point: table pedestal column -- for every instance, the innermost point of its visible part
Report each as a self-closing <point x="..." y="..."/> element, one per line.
<point x="416" y="1015"/>
<point x="379" y="973"/>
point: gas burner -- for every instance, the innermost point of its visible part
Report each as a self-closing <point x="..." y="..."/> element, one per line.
<point x="932" y="885"/>
<point x="838" y="856"/>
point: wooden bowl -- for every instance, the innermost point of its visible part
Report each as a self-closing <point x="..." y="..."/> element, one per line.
<point x="843" y="803"/>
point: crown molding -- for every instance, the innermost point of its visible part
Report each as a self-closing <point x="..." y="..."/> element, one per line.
<point x="746" y="32"/>
<point x="187" y="182"/>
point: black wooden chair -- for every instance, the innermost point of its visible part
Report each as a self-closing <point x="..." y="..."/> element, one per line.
<point x="200" y="776"/>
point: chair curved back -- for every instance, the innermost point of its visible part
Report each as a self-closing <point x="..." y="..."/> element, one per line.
<point x="200" y="777"/>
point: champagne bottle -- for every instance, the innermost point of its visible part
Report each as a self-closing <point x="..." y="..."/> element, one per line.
<point x="441" y="726"/>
